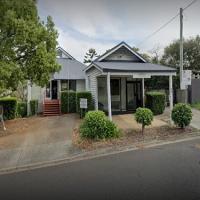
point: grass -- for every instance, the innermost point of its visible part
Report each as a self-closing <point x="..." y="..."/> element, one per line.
<point x="196" y="105"/>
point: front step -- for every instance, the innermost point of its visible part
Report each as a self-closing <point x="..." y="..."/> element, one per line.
<point x="51" y="108"/>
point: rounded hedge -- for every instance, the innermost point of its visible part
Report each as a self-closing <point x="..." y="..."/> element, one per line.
<point x="34" y="106"/>
<point x="144" y="116"/>
<point x="181" y="115"/>
<point x="156" y="102"/>
<point x="97" y="126"/>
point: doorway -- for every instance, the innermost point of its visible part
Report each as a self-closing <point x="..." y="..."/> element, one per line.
<point x="54" y="89"/>
<point x="133" y="95"/>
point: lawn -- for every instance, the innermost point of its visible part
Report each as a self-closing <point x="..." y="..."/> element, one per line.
<point x="196" y="105"/>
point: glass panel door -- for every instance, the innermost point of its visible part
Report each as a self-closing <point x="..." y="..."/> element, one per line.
<point x="115" y="94"/>
<point x="131" y="100"/>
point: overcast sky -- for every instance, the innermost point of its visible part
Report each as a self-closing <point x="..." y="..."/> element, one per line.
<point x="101" y="24"/>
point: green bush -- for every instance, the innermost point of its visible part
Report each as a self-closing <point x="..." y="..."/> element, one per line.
<point x="155" y="101"/>
<point x="9" y="106"/>
<point x="144" y="116"/>
<point x="88" y="96"/>
<point x="22" y="109"/>
<point x="68" y="102"/>
<point x="34" y="106"/>
<point x="182" y="115"/>
<point x="97" y="126"/>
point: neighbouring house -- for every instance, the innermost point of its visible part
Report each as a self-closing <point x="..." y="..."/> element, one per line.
<point x="116" y="79"/>
<point x="70" y="77"/>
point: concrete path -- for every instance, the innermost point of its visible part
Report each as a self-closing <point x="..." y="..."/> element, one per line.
<point x="40" y="139"/>
<point x="196" y="119"/>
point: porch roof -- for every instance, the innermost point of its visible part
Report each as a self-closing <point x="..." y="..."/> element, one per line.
<point x="132" y="67"/>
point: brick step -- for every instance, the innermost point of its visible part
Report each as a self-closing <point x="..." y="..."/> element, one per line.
<point x="51" y="108"/>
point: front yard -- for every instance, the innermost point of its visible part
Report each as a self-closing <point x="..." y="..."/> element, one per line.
<point x="160" y="130"/>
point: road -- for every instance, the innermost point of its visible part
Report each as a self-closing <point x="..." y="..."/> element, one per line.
<point x="164" y="172"/>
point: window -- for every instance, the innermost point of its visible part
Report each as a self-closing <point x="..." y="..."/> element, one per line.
<point x="68" y="85"/>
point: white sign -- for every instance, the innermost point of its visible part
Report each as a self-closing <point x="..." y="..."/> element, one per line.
<point x="186" y="79"/>
<point x="141" y="75"/>
<point x="83" y="103"/>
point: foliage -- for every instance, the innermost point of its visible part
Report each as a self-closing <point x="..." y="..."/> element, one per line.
<point x="90" y="56"/>
<point x="22" y="109"/>
<point x="143" y="55"/>
<point x="68" y="102"/>
<point x="97" y="126"/>
<point x="9" y="107"/>
<point x="144" y="116"/>
<point x="191" y="57"/>
<point x="34" y="106"/>
<point x="88" y="96"/>
<point x="182" y="115"/>
<point x="27" y="45"/>
<point x="156" y="102"/>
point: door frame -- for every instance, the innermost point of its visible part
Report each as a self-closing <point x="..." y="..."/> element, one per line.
<point x="133" y="82"/>
<point x="56" y="89"/>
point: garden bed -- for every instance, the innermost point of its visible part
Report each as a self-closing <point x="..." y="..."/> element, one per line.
<point x="134" y="137"/>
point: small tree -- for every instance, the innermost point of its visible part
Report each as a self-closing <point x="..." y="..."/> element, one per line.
<point x="182" y="115"/>
<point x="144" y="116"/>
<point x="90" y="56"/>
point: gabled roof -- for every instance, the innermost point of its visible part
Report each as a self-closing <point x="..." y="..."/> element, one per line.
<point x="65" y="53"/>
<point x="70" y="69"/>
<point x="115" y="48"/>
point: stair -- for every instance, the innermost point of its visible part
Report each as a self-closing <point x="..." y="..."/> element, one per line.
<point x="51" y="107"/>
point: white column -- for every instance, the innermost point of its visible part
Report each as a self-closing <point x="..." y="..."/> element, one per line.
<point x="59" y="89"/>
<point x="143" y="93"/>
<point x="170" y="95"/>
<point x="109" y="96"/>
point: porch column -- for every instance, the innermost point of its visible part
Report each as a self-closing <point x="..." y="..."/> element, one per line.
<point x="170" y="94"/>
<point x="109" y="96"/>
<point x="143" y="93"/>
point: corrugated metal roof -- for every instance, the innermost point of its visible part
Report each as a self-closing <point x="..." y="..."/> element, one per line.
<point x="70" y="69"/>
<point x="132" y="67"/>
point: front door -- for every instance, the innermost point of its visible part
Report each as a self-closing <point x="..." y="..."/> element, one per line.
<point x="133" y="95"/>
<point x="54" y="89"/>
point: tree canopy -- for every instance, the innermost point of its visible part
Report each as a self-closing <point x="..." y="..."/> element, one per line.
<point x="90" y="56"/>
<point x="27" y="45"/>
<point x="191" y="55"/>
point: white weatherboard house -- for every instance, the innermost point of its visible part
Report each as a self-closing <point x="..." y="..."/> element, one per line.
<point x="70" y="77"/>
<point x="115" y="79"/>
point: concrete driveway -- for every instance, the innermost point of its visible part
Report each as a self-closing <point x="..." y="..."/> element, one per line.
<point x="37" y="139"/>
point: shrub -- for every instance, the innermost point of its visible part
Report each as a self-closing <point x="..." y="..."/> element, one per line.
<point x="21" y="109"/>
<point x="34" y="106"/>
<point x="144" y="116"/>
<point x="97" y="126"/>
<point x="68" y="102"/>
<point x="88" y="96"/>
<point x="9" y="106"/>
<point x="182" y="115"/>
<point x="155" y="101"/>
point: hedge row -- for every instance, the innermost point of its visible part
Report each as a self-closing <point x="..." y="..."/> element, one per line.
<point x="70" y="101"/>
<point x="9" y="107"/>
<point x="155" y="101"/>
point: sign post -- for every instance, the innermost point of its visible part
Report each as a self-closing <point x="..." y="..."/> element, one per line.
<point x="83" y="105"/>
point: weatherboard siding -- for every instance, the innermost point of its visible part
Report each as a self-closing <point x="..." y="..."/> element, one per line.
<point x="92" y="75"/>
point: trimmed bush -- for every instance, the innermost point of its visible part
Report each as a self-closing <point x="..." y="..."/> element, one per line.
<point x="34" y="106"/>
<point x="21" y="109"/>
<point x="155" y="101"/>
<point x="88" y="96"/>
<point x="68" y="102"/>
<point x="97" y="126"/>
<point x="182" y="115"/>
<point x="144" y="116"/>
<point x="9" y="106"/>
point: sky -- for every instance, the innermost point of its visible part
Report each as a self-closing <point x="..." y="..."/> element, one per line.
<point x="102" y="24"/>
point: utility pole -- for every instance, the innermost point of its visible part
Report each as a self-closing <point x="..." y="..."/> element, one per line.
<point x="181" y="49"/>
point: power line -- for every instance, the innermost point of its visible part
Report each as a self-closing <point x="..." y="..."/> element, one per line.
<point x="164" y="25"/>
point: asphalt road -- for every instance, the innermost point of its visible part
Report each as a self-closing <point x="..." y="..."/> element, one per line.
<point x="164" y="172"/>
